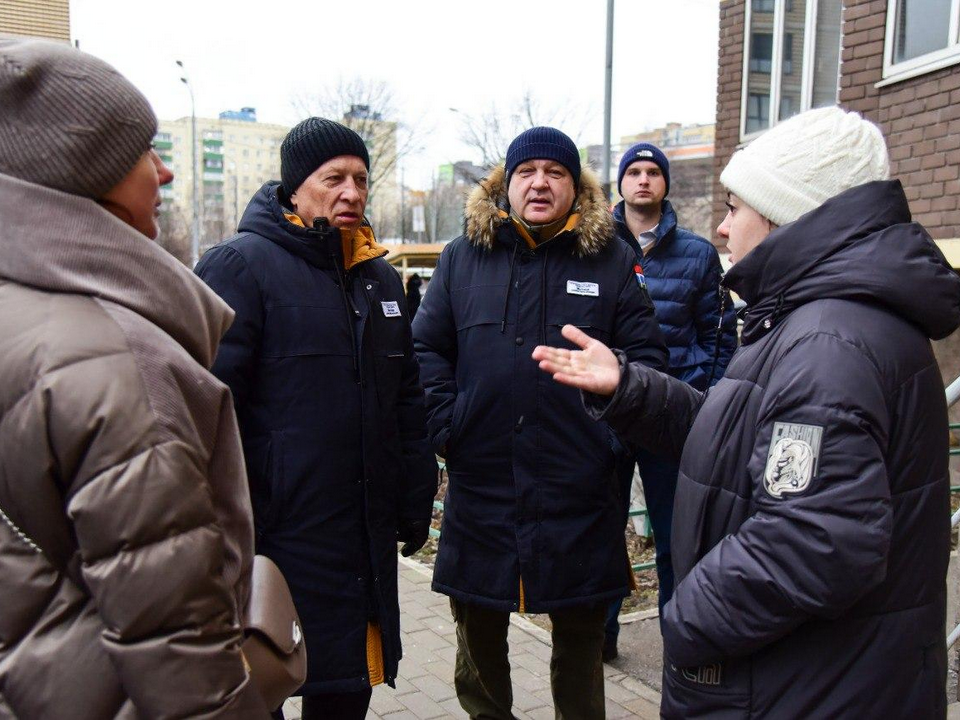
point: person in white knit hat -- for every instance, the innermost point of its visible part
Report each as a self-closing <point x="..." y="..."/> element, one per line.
<point x="810" y="527"/>
<point x="797" y="166"/>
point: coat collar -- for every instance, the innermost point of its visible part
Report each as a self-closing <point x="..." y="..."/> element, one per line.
<point x="665" y="229"/>
<point x="483" y="217"/>
<point x="65" y="243"/>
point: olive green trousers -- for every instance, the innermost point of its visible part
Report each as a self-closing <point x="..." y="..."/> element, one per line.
<point x="482" y="675"/>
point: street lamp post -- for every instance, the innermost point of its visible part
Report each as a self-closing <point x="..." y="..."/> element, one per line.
<point x="195" y="245"/>
<point x="607" y="96"/>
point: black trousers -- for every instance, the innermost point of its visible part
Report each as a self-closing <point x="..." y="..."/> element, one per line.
<point x="334" y="706"/>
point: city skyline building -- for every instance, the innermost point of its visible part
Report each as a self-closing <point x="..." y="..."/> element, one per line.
<point x="36" y="18"/>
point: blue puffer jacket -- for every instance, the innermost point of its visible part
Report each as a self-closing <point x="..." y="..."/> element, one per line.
<point x="683" y="273"/>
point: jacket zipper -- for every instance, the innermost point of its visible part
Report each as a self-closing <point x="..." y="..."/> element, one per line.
<point x="19" y="533"/>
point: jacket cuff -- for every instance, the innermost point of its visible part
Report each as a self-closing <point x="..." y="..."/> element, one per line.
<point x="599" y="407"/>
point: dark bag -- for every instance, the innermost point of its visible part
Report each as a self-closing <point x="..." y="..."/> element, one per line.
<point x="274" y="646"/>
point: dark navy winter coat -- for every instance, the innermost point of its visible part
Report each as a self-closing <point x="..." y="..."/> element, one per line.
<point x="326" y="388"/>
<point x="811" y="530"/>
<point x="532" y="494"/>
<point x="682" y="273"/>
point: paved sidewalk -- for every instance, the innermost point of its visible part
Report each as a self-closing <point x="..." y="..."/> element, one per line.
<point x="425" y="686"/>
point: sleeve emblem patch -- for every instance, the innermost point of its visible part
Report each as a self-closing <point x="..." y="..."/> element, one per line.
<point x="793" y="458"/>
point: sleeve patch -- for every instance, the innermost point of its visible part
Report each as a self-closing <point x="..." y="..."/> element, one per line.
<point x="793" y="458"/>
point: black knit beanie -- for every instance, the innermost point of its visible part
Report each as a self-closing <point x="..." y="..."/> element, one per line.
<point x="310" y="144"/>
<point x="543" y="143"/>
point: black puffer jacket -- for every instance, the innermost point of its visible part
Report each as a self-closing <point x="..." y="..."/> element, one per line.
<point x="532" y="493"/>
<point x="331" y="413"/>
<point x="811" y="525"/>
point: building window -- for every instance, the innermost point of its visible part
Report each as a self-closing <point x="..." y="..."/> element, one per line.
<point x="758" y="112"/>
<point x="922" y="35"/>
<point x="792" y="60"/>
<point x="761" y="52"/>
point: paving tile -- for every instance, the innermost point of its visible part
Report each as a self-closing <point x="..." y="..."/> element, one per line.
<point x="641" y="690"/>
<point x="434" y="688"/>
<point x="644" y="709"/>
<point x="616" y="711"/>
<point x="544" y="712"/>
<point x="618" y="693"/>
<point x="402" y="715"/>
<point x="422" y="706"/>
<point x="426" y="639"/>
<point x="404" y="686"/>
<point x="524" y="700"/>
<point x="453" y="709"/>
<point x="525" y="679"/>
<point x="384" y="700"/>
<point x="443" y="670"/>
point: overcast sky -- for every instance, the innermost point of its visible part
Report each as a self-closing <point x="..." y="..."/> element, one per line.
<point x="436" y="55"/>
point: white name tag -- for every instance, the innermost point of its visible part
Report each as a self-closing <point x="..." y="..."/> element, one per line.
<point x="390" y="308"/>
<point x="575" y="287"/>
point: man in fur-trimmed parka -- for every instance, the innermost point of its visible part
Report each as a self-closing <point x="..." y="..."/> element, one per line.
<point x="531" y="520"/>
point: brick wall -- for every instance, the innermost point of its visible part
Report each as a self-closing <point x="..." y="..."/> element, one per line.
<point x="729" y="86"/>
<point x="920" y="117"/>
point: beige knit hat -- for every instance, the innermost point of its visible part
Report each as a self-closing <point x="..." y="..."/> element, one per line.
<point x="68" y="120"/>
<point x="796" y="166"/>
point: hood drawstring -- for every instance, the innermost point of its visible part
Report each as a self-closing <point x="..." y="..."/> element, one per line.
<point x="543" y="297"/>
<point x="322" y="225"/>
<point x="506" y="296"/>
<point x="772" y="320"/>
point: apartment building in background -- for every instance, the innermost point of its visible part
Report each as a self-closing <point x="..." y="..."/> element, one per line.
<point x="895" y="61"/>
<point x="235" y="154"/>
<point x="36" y="18"/>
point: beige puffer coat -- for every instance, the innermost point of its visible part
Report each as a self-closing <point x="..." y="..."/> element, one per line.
<point x="126" y="537"/>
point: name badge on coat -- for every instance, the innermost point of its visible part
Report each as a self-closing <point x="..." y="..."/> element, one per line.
<point x="390" y="308"/>
<point x="588" y="289"/>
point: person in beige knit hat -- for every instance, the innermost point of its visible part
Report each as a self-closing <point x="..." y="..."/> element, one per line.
<point x="814" y="476"/>
<point x="126" y="536"/>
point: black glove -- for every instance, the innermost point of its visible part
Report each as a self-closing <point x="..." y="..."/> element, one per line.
<point x="413" y="534"/>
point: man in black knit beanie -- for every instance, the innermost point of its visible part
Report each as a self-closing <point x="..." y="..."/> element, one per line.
<point x="326" y="387"/>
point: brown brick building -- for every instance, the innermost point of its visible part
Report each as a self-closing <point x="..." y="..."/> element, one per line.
<point x="895" y="61"/>
<point x="38" y="18"/>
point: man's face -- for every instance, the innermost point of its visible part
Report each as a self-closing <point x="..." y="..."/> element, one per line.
<point x="643" y="185"/>
<point x="337" y="191"/>
<point x="743" y="228"/>
<point x="136" y="198"/>
<point x="541" y="191"/>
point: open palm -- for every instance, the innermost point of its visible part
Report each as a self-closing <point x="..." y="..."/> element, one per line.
<point x="593" y="368"/>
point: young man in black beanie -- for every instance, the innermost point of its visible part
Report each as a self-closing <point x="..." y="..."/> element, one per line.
<point x="531" y="517"/>
<point x="320" y="361"/>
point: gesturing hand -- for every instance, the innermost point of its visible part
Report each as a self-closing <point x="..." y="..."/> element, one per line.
<point x="594" y="368"/>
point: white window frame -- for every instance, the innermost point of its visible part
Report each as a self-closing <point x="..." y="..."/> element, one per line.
<point x="776" y="69"/>
<point x="950" y="55"/>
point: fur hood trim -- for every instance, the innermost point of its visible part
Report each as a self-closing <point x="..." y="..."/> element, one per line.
<point x="594" y="229"/>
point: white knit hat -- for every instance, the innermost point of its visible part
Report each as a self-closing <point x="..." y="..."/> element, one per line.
<point x="800" y="163"/>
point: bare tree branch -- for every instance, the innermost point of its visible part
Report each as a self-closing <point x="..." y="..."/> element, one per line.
<point x="368" y="107"/>
<point x="490" y="132"/>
